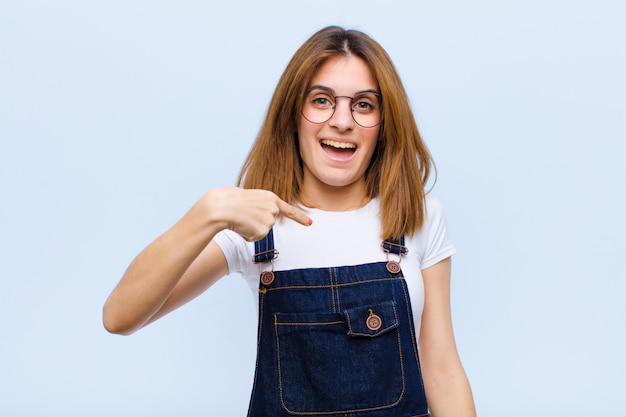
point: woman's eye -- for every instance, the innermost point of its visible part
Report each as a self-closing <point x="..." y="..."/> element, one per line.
<point x="322" y="101"/>
<point x="363" y="105"/>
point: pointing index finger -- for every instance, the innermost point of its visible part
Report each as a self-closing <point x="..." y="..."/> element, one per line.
<point x="294" y="213"/>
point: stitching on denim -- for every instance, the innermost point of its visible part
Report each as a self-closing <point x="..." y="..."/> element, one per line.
<point x="349" y="321"/>
<point x="332" y="288"/>
<point x="401" y="365"/>
<point x="261" y="309"/>
<point x="347" y="284"/>
<point x="357" y="410"/>
<point x="379" y="331"/>
<point x="258" y="348"/>
<point x="413" y="337"/>
<point x="280" y="378"/>
<point x="307" y="323"/>
<point x="335" y="290"/>
<point x="338" y="302"/>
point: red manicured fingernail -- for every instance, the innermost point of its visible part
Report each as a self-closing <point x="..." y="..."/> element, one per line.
<point x="310" y="222"/>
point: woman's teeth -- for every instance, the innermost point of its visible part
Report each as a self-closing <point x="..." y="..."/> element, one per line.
<point x="339" y="145"/>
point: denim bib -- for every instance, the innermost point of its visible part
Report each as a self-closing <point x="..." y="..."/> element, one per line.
<point x="336" y="341"/>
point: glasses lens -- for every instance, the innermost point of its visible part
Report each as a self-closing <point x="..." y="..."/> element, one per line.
<point x="319" y="106"/>
<point x="366" y="109"/>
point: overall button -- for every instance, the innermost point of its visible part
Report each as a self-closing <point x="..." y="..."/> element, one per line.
<point x="373" y="322"/>
<point x="267" y="277"/>
<point x="393" y="267"/>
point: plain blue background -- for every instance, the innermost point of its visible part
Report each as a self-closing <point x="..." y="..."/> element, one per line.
<point x="116" y="116"/>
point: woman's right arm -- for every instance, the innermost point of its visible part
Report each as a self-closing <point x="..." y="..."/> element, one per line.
<point x="184" y="261"/>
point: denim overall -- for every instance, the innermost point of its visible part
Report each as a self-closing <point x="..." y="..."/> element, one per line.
<point x="336" y="341"/>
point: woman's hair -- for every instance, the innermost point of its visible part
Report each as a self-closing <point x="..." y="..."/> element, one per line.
<point x="401" y="163"/>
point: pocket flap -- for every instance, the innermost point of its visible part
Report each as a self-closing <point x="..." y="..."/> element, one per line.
<point x="372" y="320"/>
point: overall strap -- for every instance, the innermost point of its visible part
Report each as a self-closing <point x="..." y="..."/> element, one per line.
<point x="264" y="250"/>
<point x="395" y="246"/>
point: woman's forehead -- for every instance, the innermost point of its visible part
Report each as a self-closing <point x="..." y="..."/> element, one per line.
<point x="344" y="75"/>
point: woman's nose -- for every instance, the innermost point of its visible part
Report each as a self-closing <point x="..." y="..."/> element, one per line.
<point x="342" y="117"/>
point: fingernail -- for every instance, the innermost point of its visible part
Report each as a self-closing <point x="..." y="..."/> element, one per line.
<point x="310" y="221"/>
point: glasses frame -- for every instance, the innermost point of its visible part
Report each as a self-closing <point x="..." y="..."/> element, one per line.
<point x="334" y="107"/>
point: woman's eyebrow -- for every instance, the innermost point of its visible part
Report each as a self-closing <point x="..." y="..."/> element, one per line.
<point x="321" y="87"/>
<point x="332" y="92"/>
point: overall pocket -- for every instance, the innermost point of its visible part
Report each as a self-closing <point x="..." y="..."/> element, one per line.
<point x="339" y="363"/>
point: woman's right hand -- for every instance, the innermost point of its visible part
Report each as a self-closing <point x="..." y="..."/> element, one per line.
<point x="249" y="213"/>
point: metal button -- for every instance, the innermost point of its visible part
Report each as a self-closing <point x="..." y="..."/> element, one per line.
<point x="393" y="267"/>
<point x="267" y="277"/>
<point x="373" y="322"/>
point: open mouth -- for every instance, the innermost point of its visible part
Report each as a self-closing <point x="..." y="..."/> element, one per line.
<point x="336" y="149"/>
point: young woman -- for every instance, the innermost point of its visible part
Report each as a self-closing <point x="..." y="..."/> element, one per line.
<point x="333" y="230"/>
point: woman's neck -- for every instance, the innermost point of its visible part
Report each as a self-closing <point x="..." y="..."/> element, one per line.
<point x="329" y="198"/>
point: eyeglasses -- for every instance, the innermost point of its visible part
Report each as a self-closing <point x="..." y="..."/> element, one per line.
<point x="319" y="106"/>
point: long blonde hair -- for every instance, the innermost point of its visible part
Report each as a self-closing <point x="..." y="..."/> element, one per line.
<point x="401" y="164"/>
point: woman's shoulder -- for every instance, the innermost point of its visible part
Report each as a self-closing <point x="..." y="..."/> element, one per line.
<point x="435" y="212"/>
<point x="433" y="204"/>
<point x="432" y="242"/>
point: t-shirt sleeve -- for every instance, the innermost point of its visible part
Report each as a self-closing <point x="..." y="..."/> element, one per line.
<point x="435" y="241"/>
<point x="231" y="245"/>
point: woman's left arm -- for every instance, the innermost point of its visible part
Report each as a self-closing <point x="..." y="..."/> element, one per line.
<point x="447" y="388"/>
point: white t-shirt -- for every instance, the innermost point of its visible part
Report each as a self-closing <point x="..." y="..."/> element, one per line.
<point x="344" y="238"/>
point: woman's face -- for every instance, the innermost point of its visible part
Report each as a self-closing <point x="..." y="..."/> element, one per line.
<point x="337" y="152"/>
